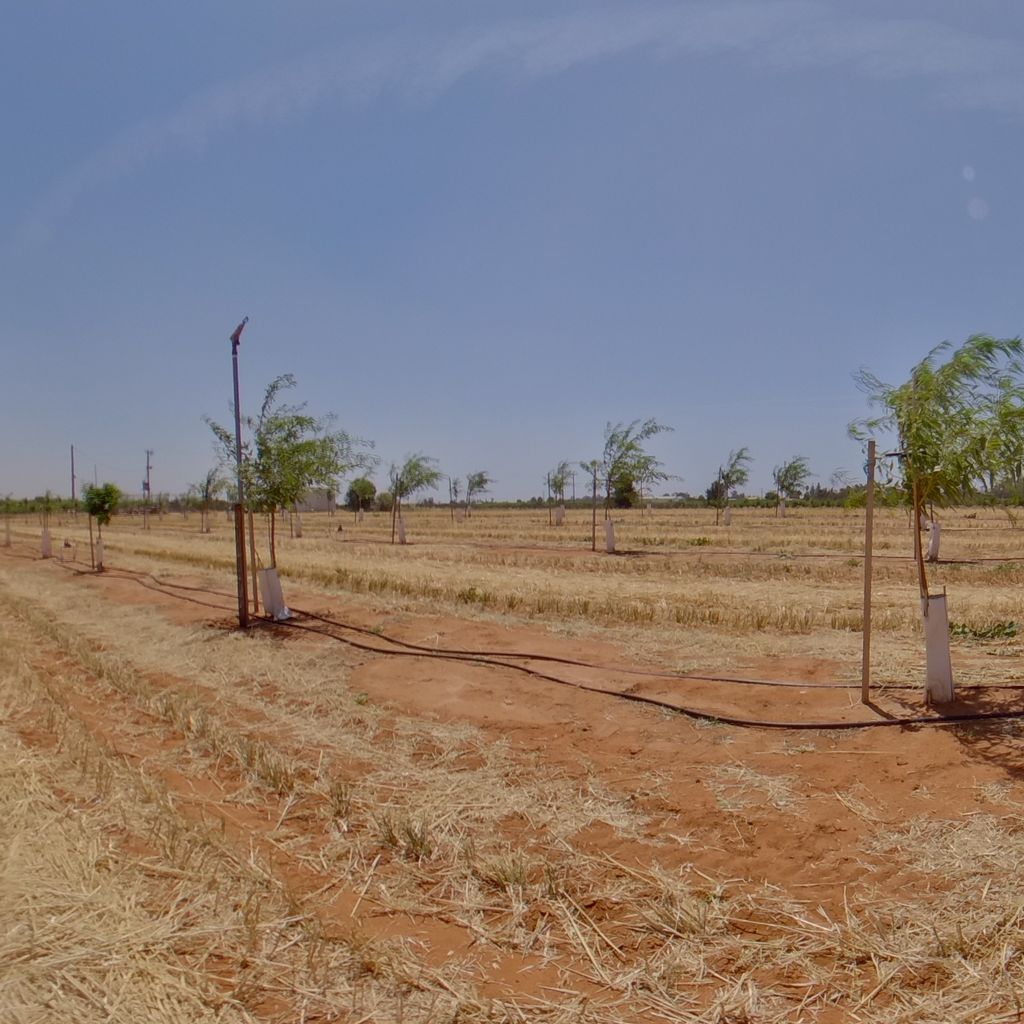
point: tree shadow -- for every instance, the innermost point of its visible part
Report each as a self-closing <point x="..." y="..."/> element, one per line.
<point x="991" y="725"/>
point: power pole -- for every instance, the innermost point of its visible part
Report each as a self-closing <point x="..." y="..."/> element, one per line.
<point x="74" y="502"/>
<point x="147" y="490"/>
<point x="243" y="595"/>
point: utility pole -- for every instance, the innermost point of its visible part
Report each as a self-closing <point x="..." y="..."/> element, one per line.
<point x="147" y="491"/>
<point x="74" y="501"/>
<point x="243" y="596"/>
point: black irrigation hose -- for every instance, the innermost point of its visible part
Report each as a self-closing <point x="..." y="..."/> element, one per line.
<point x="648" y="673"/>
<point x="555" y="659"/>
<point x="415" y="651"/>
<point x="694" y="713"/>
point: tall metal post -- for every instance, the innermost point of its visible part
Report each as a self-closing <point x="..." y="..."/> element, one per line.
<point x="74" y="501"/>
<point x="865" y="657"/>
<point x="147" y="487"/>
<point x="243" y="595"/>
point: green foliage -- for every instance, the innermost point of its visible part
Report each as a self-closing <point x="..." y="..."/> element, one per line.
<point x="624" y="462"/>
<point x="791" y="477"/>
<point x="101" y="501"/>
<point x="624" y="493"/>
<point x="735" y="473"/>
<point x="360" y="494"/>
<point x="288" y="452"/>
<point x="960" y="422"/>
<point x="385" y="501"/>
<point x="997" y="631"/>
<point x="477" y="483"/>
<point x="209" y="488"/>
<point x="418" y="473"/>
<point x="558" y="480"/>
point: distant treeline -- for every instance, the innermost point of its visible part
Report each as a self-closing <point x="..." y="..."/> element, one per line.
<point x="814" y="497"/>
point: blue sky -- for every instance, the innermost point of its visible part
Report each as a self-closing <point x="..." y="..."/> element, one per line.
<point x="481" y="230"/>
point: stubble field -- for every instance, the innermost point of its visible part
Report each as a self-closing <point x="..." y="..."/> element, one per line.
<point x="433" y="803"/>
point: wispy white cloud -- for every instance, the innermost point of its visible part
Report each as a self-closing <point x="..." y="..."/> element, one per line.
<point x="788" y="35"/>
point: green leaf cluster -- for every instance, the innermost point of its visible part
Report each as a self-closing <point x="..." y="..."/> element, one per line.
<point x="558" y="480"/>
<point x="735" y="473"/>
<point x="959" y="419"/>
<point x="288" y="451"/>
<point x="101" y="501"/>
<point x="624" y="459"/>
<point x="791" y="477"/>
<point x="417" y="473"/>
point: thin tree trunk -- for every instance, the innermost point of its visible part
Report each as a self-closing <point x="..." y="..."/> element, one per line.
<point x="252" y="560"/>
<point x="273" y="539"/>
<point x="593" y="517"/>
<point x="918" y="509"/>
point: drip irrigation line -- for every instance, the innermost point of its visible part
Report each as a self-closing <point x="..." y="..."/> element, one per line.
<point x="647" y="673"/>
<point x="493" y="659"/>
<point x="681" y="709"/>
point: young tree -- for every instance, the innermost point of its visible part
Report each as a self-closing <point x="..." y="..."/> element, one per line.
<point x="735" y="473"/>
<point x="624" y="459"/>
<point x="454" y="490"/>
<point x="558" y="480"/>
<point x="791" y="478"/>
<point x="187" y="499"/>
<point x="593" y="469"/>
<point x="360" y="494"/>
<point x="101" y="501"/>
<point x="207" y="490"/>
<point x="956" y="420"/>
<point x="418" y="473"/>
<point x="289" y="452"/>
<point x="476" y="483"/>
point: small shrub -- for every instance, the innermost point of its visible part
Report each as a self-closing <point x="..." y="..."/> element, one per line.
<point x="997" y="631"/>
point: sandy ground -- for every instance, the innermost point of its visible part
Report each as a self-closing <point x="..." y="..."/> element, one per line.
<point x="795" y="814"/>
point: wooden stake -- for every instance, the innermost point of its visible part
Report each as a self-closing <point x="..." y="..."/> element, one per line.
<point x="252" y="564"/>
<point x="869" y="520"/>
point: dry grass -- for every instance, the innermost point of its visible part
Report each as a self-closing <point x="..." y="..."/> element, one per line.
<point x="414" y="820"/>
<point x="772" y="587"/>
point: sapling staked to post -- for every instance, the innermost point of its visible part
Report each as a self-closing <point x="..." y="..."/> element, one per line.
<point x="958" y="417"/>
<point x="101" y="501"/>
<point x="288" y="453"/>
<point x="418" y="473"/>
<point x="735" y="473"/>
